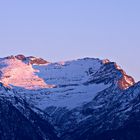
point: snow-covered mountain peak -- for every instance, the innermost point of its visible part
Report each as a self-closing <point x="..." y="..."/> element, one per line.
<point x="125" y="81"/>
<point x="33" y="72"/>
<point x="73" y="96"/>
<point x="110" y="72"/>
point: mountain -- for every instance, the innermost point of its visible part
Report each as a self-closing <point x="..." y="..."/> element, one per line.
<point x="84" y="99"/>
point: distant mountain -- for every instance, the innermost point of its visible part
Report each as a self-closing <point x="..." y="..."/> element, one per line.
<point x="84" y="99"/>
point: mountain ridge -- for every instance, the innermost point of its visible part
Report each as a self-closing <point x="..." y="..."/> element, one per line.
<point x="125" y="82"/>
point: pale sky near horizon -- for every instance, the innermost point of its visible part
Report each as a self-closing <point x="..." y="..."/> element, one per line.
<point x="68" y="29"/>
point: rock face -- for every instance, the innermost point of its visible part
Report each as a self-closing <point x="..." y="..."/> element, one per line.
<point x="37" y="61"/>
<point x="31" y="59"/>
<point x="84" y="99"/>
<point x="126" y="81"/>
<point x="110" y="72"/>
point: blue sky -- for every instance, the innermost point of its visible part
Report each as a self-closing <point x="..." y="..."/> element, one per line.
<point x="68" y="29"/>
